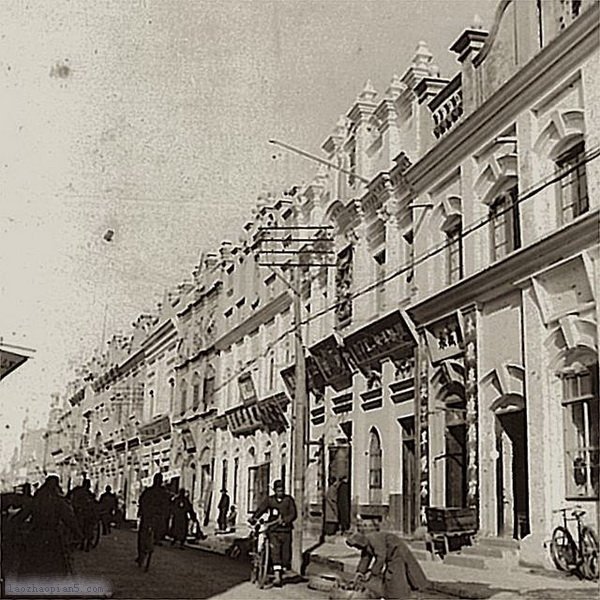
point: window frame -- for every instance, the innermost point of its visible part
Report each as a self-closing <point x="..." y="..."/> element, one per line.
<point x="504" y="216"/>
<point x="581" y="441"/>
<point x="570" y="162"/>
<point x="454" y="248"/>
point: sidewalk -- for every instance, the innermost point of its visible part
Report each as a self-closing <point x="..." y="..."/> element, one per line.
<point x="461" y="582"/>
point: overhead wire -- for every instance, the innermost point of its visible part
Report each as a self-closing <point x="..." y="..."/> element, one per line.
<point x="429" y="253"/>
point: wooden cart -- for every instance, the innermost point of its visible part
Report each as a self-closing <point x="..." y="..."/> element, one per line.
<point x="445" y="524"/>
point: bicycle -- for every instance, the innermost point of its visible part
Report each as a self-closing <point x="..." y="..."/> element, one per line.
<point x="261" y="553"/>
<point x="146" y="539"/>
<point x="580" y="557"/>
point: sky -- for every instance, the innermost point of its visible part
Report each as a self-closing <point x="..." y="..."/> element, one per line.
<point x="151" y="118"/>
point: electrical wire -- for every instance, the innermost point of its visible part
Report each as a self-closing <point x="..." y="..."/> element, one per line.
<point x="429" y="253"/>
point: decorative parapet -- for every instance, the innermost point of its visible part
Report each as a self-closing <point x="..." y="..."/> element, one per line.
<point x="447" y="107"/>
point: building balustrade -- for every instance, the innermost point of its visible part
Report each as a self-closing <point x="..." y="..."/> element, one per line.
<point x="447" y="107"/>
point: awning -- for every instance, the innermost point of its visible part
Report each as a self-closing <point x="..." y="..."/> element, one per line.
<point x="12" y="357"/>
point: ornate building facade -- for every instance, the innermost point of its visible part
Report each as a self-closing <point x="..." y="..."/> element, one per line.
<point x="452" y="351"/>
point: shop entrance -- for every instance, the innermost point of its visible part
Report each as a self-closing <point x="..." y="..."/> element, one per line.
<point x="409" y="469"/>
<point x="512" y="489"/>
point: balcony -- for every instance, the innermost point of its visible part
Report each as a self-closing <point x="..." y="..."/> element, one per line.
<point x="447" y="107"/>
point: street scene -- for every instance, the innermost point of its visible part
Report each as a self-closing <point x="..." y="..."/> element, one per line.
<point x="299" y="299"/>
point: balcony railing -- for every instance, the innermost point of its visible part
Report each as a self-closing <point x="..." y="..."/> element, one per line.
<point x="447" y="107"/>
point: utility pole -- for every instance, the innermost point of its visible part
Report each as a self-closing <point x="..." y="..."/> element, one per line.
<point x="297" y="241"/>
<point x="299" y="411"/>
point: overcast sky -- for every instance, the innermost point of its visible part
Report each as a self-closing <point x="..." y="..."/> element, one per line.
<point x="151" y="118"/>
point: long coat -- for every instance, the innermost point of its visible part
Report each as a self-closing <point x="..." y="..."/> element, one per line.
<point x="392" y="560"/>
<point x="46" y="551"/>
<point x="331" y="503"/>
<point x="181" y="509"/>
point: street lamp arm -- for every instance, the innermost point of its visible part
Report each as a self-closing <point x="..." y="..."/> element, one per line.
<point x="318" y="159"/>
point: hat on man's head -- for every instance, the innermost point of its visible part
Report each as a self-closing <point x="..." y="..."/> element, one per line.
<point x="278" y="485"/>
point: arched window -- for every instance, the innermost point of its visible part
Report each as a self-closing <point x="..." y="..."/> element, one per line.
<point x="183" y="397"/>
<point x="375" y="467"/>
<point x="505" y="235"/>
<point x="196" y="391"/>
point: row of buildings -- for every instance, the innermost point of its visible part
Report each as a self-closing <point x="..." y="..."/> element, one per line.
<point x="451" y="340"/>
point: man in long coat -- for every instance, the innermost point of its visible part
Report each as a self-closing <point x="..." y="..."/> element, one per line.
<point x="46" y="552"/>
<point x="385" y="555"/>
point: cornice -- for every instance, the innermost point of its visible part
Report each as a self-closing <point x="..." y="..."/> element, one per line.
<point x="505" y="276"/>
<point x="258" y="317"/>
<point x="553" y="63"/>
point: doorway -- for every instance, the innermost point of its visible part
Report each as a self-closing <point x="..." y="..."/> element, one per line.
<point x="409" y="469"/>
<point x="512" y="489"/>
<point x="456" y="453"/>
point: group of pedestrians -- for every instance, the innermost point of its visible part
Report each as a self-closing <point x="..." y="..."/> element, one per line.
<point x="166" y="514"/>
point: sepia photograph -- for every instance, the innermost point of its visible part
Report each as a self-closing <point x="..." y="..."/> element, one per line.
<point x="299" y="299"/>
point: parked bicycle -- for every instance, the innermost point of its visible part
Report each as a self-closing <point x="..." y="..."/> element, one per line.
<point x="581" y="556"/>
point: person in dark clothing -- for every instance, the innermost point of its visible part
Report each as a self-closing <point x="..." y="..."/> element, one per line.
<point x="331" y="507"/>
<point x="108" y="509"/>
<point x="86" y="511"/>
<point x="181" y="512"/>
<point x="153" y="510"/>
<point x="386" y="556"/>
<point x="343" y="494"/>
<point x="223" y="508"/>
<point x="46" y="552"/>
<point x="281" y="510"/>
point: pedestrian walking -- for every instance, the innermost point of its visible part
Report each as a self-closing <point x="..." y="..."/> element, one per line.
<point x="46" y="549"/>
<point x="181" y="513"/>
<point x="331" y="506"/>
<point x="223" y="508"/>
<point x="386" y="556"/>
<point x="343" y="504"/>
<point x="108" y="509"/>
<point x="153" y="510"/>
<point x="84" y="505"/>
<point x="281" y="509"/>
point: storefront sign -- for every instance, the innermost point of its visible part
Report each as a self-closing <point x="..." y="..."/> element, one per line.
<point x="444" y="339"/>
<point x="471" y="391"/>
<point x="423" y="429"/>
<point x="155" y="429"/>
<point x="389" y="336"/>
<point x="314" y="377"/>
<point x="329" y="358"/>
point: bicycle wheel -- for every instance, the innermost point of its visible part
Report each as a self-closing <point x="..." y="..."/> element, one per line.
<point x="263" y="567"/>
<point x="589" y="551"/>
<point x="563" y="549"/>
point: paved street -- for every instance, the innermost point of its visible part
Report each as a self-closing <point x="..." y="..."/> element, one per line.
<point x="176" y="573"/>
